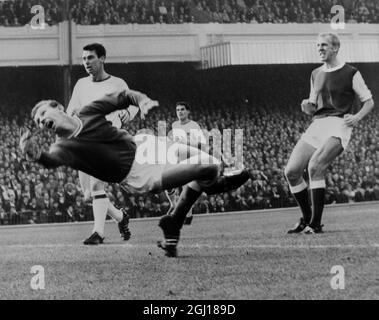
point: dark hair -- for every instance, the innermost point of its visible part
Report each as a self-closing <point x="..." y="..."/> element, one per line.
<point x="183" y="103"/>
<point x="51" y="103"/>
<point x="98" y="48"/>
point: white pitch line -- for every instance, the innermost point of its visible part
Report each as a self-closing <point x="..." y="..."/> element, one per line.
<point x="193" y="246"/>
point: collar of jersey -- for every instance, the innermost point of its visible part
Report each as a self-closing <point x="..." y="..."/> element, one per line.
<point x="79" y="129"/>
<point x="325" y="69"/>
<point x="110" y="76"/>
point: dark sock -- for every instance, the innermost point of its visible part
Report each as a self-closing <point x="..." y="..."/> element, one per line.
<point x="227" y="183"/>
<point x="302" y="199"/>
<point x="186" y="200"/>
<point x="318" y="199"/>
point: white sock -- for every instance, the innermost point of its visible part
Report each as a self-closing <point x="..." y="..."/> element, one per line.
<point x="115" y="213"/>
<point x="100" y="208"/>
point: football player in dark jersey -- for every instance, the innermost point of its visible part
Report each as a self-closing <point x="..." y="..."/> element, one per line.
<point x="334" y="87"/>
<point x="89" y="143"/>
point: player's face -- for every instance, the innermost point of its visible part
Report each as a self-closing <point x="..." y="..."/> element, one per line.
<point x="182" y="113"/>
<point x="92" y="63"/>
<point x="325" y="48"/>
<point x="48" y="117"/>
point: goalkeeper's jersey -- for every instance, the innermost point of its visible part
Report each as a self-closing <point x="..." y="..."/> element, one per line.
<point x="97" y="148"/>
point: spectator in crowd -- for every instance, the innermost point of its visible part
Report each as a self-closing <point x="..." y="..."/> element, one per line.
<point x="79" y="210"/>
<point x="94" y="12"/>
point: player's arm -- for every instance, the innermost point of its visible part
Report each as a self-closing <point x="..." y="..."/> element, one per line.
<point x="365" y="96"/>
<point x="32" y="152"/>
<point x="122" y="100"/>
<point x="134" y="98"/>
<point x="130" y="113"/>
<point x="309" y="106"/>
<point x="74" y="103"/>
<point x="53" y="159"/>
<point x="126" y="115"/>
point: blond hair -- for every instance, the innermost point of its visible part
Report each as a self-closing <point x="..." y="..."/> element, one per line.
<point x="334" y="38"/>
<point x="50" y="103"/>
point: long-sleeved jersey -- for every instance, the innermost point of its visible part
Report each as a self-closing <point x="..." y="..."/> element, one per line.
<point x="98" y="148"/>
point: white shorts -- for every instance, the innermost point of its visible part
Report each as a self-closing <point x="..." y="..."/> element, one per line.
<point x="153" y="156"/>
<point x="322" y="129"/>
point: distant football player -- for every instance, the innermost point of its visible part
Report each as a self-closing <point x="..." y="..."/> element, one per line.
<point x="89" y="143"/>
<point x="334" y="87"/>
<point x="88" y="89"/>
<point x="188" y="132"/>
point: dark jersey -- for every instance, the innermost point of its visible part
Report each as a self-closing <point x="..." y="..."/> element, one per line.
<point x="98" y="148"/>
<point x="335" y="91"/>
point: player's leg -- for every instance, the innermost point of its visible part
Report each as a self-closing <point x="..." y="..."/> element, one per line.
<point x="171" y="197"/>
<point x="294" y="171"/>
<point x="172" y="224"/>
<point x="317" y="167"/>
<point x="100" y="203"/>
<point x="201" y="169"/>
<point x="183" y="152"/>
<point x="114" y="213"/>
<point x="189" y="217"/>
<point x="197" y="166"/>
<point x="85" y="185"/>
<point x="101" y="207"/>
<point x="202" y="177"/>
<point x="144" y="178"/>
<point x="122" y="219"/>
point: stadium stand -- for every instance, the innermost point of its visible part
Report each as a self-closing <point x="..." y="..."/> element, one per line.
<point x="272" y="124"/>
<point x="93" y="12"/>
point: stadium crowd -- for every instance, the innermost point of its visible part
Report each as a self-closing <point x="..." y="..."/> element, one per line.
<point x="32" y="194"/>
<point x="94" y="12"/>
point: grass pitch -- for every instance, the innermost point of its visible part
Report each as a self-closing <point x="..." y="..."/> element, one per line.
<point x="245" y="255"/>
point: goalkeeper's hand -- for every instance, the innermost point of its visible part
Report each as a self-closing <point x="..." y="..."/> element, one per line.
<point x="29" y="146"/>
<point x="146" y="106"/>
<point x="308" y="107"/>
<point x="124" y="116"/>
<point x="128" y="114"/>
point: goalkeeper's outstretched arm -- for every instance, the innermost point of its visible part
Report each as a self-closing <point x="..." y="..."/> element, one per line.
<point x="51" y="159"/>
<point x="120" y="100"/>
<point x="32" y="152"/>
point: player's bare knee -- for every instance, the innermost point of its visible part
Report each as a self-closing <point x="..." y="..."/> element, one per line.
<point x="292" y="174"/>
<point x="312" y="171"/>
<point x="316" y="169"/>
